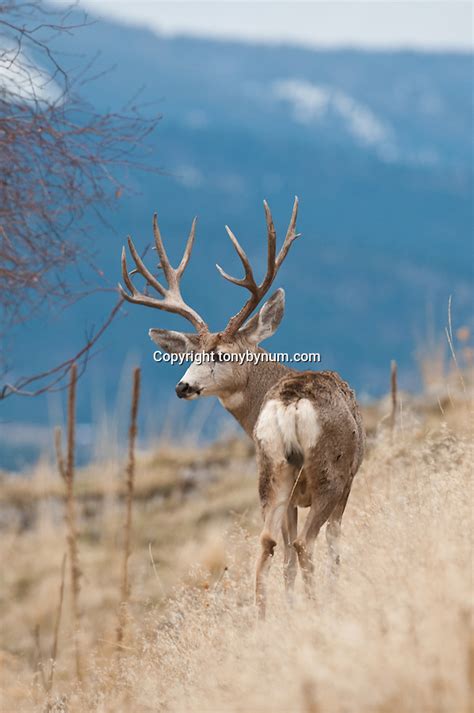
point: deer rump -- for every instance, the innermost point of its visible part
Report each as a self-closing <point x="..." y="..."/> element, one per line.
<point x="304" y="433"/>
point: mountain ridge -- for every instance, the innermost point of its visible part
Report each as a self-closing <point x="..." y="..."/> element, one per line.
<point x="382" y="238"/>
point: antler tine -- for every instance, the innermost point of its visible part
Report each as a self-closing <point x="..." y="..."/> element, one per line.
<point x="172" y="299"/>
<point x="271" y="241"/>
<point x="143" y="270"/>
<point x="135" y="296"/>
<point x="273" y="265"/>
<point x="125" y="275"/>
<point x="290" y="235"/>
<point x="241" y="282"/>
<point x="242" y="255"/>
<point x="187" y="250"/>
<point x="248" y="280"/>
<point x="160" y="248"/>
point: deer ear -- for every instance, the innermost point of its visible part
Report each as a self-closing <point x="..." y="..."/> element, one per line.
<point x="265" y="323"/>
<point x="174" y="342"/>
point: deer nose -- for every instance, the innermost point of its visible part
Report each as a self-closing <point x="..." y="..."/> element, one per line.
<point x="183" y="389"/>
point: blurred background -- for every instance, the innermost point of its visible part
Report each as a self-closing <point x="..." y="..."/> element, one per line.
<point x="363" y="110"/>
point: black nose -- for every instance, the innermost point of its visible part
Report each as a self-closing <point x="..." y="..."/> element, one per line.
<point x="183" y="389"/>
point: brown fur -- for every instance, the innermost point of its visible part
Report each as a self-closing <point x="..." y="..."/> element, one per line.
<point x="324" y="480"/>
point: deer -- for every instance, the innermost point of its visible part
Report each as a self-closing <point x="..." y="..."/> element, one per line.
<point x="306" y="425"/>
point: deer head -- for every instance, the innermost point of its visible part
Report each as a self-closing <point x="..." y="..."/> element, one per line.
<point x="214" y="376"/>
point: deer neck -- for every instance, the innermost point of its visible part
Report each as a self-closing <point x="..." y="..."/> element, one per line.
<point x="245" y="405"/>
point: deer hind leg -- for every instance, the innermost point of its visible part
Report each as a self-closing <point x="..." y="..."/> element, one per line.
<point x="289" y="532"/>
<point x="274" y="512"/>
<point x="304" y="544"/>
<point x="333" y="530"/>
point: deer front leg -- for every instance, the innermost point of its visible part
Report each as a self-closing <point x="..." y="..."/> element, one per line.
<point x="290" y="563"/>
<point x="278" y="479"/>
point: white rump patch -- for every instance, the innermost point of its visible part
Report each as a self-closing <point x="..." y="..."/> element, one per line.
<point x="286" y="429"/>
<point x="307" y="424"/>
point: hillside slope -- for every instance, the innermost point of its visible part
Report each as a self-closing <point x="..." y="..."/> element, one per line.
<point x="390" y="634"/>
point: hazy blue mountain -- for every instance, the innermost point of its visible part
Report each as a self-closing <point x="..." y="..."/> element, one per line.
<point x="376" y="145"/>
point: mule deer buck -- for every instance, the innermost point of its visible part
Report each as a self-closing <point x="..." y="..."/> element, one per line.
<point x="306" y="426"/>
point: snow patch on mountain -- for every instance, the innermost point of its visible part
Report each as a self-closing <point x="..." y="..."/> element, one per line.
<point x="23" y="81"/>
<point x="314" y="102"/>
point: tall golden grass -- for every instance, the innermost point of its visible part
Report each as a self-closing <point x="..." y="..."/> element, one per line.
<point x="393" y="633"/>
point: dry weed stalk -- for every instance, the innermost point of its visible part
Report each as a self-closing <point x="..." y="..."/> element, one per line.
<point x="39" y="668"/>
<point x="66" y="469"/>
<point x="132" y="434"/>
<point x="394" y="395"/>
<point x="57" y="623"/>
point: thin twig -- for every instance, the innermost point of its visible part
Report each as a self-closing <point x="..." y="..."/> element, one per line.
<point x="221" y="577"/>
<point x="449" y="335"/>
<point x="132" y="434"/>
<point x="55" y="377"/>
<point x="57" y="623"/>
<point x="296" y="483"/>
<point x="155" y="570"/>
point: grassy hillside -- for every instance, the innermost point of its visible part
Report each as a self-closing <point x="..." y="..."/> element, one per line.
<point x="392" y="634"/>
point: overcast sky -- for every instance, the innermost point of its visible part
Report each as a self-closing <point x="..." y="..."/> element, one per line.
<point x="424" y="25"/>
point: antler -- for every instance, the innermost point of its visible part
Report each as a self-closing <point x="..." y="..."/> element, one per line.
<point x="172" y="300"/>
<point x="273" y="265"/>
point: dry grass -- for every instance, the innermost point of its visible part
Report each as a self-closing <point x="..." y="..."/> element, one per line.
<point x="393" y="634"/>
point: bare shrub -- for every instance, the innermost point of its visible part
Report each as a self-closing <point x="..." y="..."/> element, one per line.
<point x="59" y="159"/>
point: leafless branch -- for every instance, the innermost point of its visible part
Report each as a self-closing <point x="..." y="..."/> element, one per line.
<point x="60" y="159"/>
<point x="54" y="379"/>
